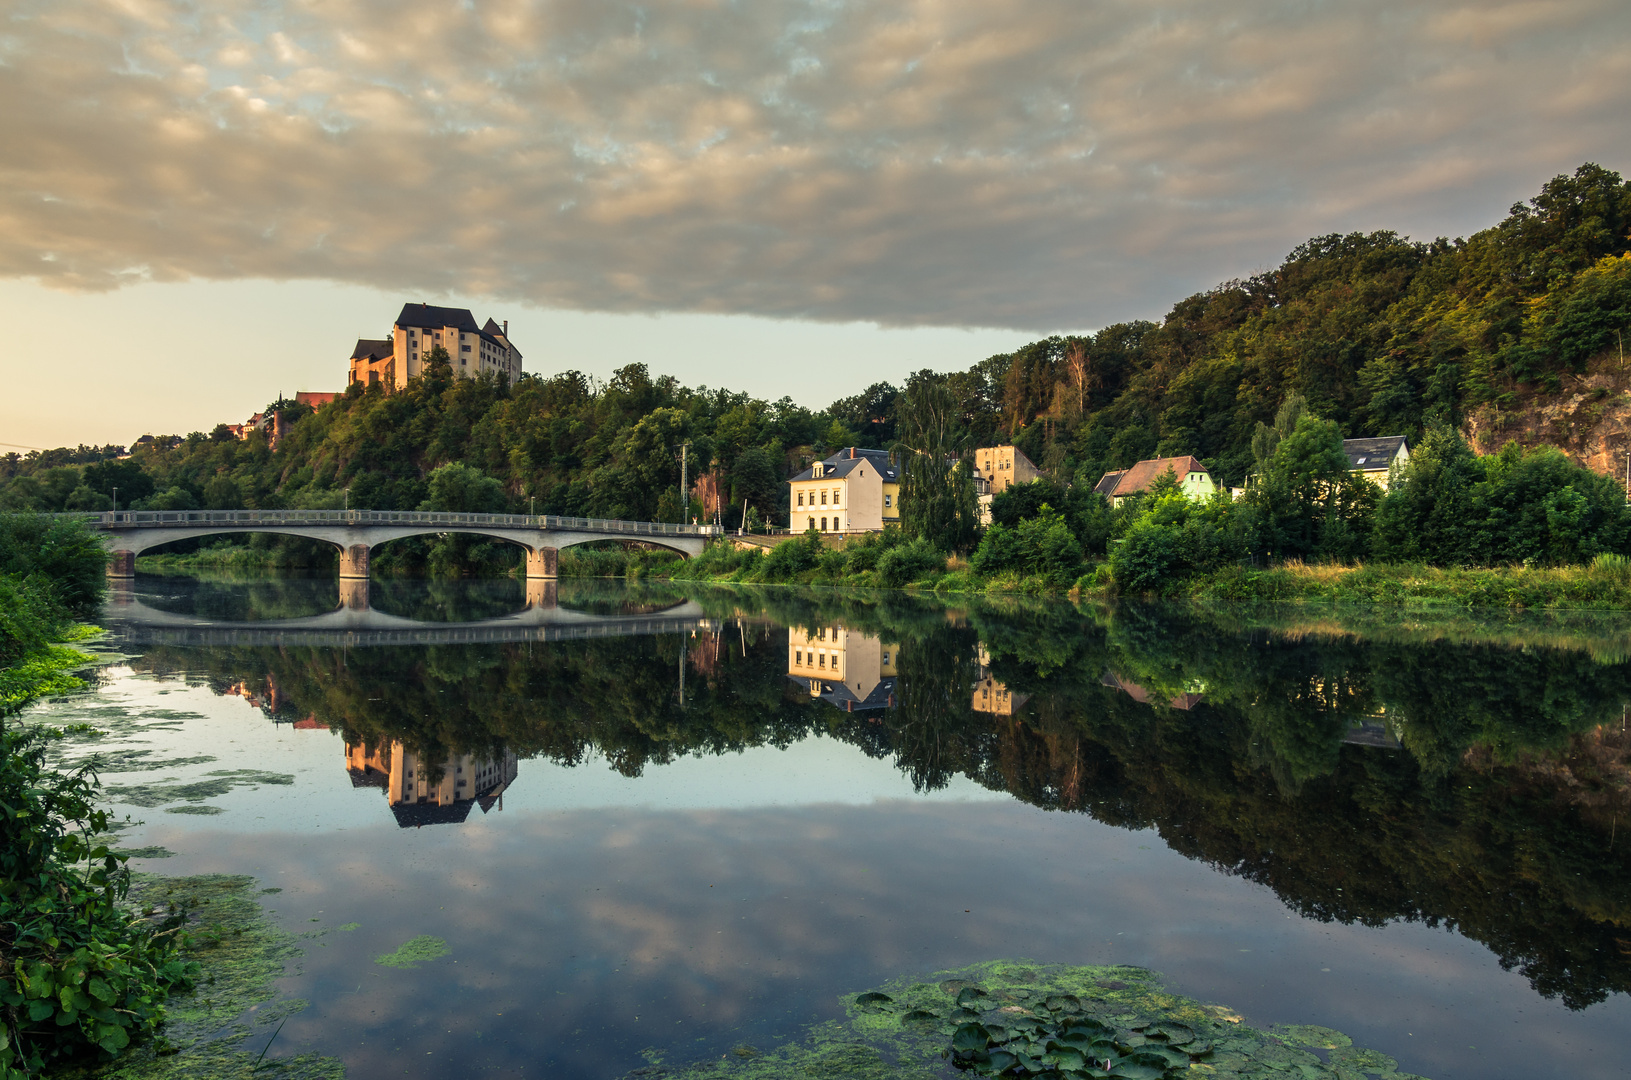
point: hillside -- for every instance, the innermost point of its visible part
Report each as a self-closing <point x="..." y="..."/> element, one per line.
<point x="1511" y="333"/>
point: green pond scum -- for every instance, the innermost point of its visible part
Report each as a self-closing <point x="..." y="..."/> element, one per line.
<point x="223" y="1028"/>
<point x="414" y="951"/>
<point x="1015" y="1018"/>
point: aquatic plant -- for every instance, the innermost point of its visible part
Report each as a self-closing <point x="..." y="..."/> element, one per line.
<point x="1018" y="1019"/>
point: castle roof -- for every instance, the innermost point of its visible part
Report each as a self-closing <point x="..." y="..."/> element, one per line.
<point x="372" y="349"/>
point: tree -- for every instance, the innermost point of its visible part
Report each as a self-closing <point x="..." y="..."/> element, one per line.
<point x="1308" y="502"/>
<point x="937" y="491"/>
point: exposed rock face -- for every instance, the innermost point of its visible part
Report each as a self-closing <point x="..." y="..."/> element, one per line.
<point x="1589" y="420"/>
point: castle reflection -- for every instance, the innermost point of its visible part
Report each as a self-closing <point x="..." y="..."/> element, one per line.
<point x="422" y="792"/>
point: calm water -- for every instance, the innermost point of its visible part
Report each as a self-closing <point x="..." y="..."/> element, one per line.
<point x="683" y="820"/>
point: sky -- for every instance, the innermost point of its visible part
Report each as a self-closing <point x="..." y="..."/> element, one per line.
<point x="203" y="205"/>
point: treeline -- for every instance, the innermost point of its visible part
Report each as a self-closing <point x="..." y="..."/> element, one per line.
<point x="1377" y="334"/>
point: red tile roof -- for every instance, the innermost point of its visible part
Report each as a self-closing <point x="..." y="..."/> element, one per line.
<point x="1141" y="476"/>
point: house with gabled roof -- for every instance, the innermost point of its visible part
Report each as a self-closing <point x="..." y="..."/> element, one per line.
<point x="854" y="490"/>
<point x="422" y="328"/>
<point x="1193" y="479"/>
<point x="1374" y="459"/>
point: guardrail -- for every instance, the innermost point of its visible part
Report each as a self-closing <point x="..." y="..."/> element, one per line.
<point x="153" y="519"/>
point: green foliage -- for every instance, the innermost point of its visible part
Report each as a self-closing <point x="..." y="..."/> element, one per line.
<point x="1451" y="508"/>
<point x="65" y="556"/>
<point x="1015" y="1018"/>
<point x="902" y="564"/>
<point x="1041" y="546"/>
<point x="937" y="502"/>
<point x="1307" y="502"/>
<point x="85" y="974"/>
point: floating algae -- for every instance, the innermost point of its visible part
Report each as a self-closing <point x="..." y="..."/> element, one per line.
<point x="414" y="951"/>
<point x="219" y="783"/>
<point x="1019" y="1019"/>
<point x="241" y="955"/>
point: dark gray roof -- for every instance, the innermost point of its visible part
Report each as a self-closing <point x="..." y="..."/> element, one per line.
<point x="1107" y="483"/>
<point x="372" y="349"/>
<point x="1372" y="453"/>
<point x="851" y="458"/>
<point x="499" y="336"/>
<point x="839" y="696"/>
<point x="431" y="317"/>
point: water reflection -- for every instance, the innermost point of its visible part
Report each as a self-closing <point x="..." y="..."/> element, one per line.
<point x="421" y="791"/>
<point x="1469" y="776"/>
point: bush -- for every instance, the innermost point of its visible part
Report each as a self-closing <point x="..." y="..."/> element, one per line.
<point x="1041" y="546"/>
<point x="66" y="555"/>
<point x="82" y="973"/>
<point x="903" y="564"/>
<point x="791" y="558"/>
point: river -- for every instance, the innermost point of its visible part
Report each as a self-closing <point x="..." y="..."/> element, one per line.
<point x="651" y="822"/>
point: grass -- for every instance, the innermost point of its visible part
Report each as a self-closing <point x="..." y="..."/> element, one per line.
<point x="1601" y="586"/>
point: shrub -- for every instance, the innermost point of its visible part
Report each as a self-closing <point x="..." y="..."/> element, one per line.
<point x="791" y="558"/>
<point x="1041" y="546"/>
<point x="903" y="564"/>
<point x="83" y="973"/>
<point x="66" y="554"/>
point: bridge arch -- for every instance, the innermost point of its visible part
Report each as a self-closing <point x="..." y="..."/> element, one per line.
<point x="356" y="532"/>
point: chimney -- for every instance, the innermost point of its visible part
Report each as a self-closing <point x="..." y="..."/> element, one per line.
<point x="852" y="453"/>
<point x="506" y="328"/>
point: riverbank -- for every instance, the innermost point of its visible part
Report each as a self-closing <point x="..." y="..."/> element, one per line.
<point x="1604" y="585"/>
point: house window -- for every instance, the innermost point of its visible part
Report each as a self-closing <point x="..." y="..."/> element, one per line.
<point x="823" y="496"/>
<point x="798" y="657"/>
<point x="886" y="658"/>
<point x="812" y="523"/>
<point x="801" y="498"/>
<point x="886" y="501"/>
<point x="823" y="524"/>
<point x="464" y="348"/>
<point x="821" y="661"/>
<point x="835" y="492"/>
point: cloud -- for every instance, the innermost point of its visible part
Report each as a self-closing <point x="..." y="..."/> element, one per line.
<point x="1034" y="164"/>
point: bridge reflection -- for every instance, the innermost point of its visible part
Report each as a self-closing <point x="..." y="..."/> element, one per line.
<point x="353" y="623"/>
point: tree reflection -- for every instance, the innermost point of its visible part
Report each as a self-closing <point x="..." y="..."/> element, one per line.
<point x="1473" y="780"/>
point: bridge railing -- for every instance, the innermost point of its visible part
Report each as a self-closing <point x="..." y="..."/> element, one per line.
<point x="153" y="519"/>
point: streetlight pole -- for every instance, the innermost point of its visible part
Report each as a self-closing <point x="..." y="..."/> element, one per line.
<point x="116" y="500"/>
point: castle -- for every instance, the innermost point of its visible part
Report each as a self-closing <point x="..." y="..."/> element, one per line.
<point x="420" y="328"/>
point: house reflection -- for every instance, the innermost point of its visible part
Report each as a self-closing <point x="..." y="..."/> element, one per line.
<point x="845" y="668"/>
<point x="421" y="792"/>
<point x="1187" y="700"/>
<point x="992" y="696"/>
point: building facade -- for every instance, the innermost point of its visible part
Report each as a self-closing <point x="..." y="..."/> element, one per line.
<point x="418" y="331"/>
<point x="996" y="469"/>
<point x="854" y="490"/>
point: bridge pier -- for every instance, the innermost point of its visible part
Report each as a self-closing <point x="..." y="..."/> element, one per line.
<point x="541" y="562"/>
<point x="541" y="593"/>
<point x="121" y="565"/>
<point x="354" y="593"/>
<point x="354" y="562"/>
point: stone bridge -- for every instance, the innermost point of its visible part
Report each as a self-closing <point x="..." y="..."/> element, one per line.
<point x="127" y="533"/>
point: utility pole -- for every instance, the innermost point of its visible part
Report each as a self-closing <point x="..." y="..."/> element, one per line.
<point x="116" y="499"/>
<point x="685" y="489"/>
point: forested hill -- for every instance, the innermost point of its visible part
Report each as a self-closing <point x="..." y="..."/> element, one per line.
<point x="1378" y="332"/>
